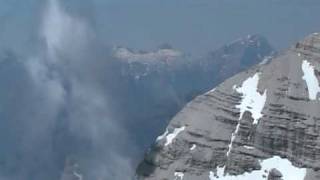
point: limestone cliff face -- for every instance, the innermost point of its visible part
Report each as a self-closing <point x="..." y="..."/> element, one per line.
<point x="263" y="123"/>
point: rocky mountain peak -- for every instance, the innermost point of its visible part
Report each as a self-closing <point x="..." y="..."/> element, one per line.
<point x="262" y="123"/>
<point x="164" y="53"/>
<point x="310" y="45"/>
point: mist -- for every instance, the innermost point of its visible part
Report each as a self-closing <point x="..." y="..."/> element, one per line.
<point x="55" y="105"/>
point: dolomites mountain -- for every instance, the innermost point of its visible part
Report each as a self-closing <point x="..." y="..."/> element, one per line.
<point x="263" y="123"/>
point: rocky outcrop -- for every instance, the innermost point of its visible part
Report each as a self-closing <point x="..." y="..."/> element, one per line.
<point x="260" y="124"/>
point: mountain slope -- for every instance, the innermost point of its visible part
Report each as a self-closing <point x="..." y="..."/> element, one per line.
<point x="260" y="124"/>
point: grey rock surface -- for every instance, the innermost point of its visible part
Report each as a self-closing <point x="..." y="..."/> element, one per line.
<point x="217" y="134"/>
<point x="274" y="174"/>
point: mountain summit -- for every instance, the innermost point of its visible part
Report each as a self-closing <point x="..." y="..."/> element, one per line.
<point x="263" y="123"/>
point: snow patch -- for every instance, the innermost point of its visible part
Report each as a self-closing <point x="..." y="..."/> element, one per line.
<point x="193" y="147"/>
<point x="288" y="171"/>
<point x="178" y="176"/>
<point x="212" y="90"/>
<point x="265" y="60"/>
<point x="211" y="175"/>
<point x="248" y="147"/>
<point x="252" y="100"/>
<point x="174" y="134"/>
<point x="233" y="137"/>
<point x="234" y="87"/>
<point x="163" y="135"/>
<point x="170" y="136"/>
<point x="311" y="79"/>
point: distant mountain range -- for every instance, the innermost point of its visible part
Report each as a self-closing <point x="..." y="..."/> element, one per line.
<point x="159" y="83"/>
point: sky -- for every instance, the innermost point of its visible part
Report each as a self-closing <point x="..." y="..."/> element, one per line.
<point x="194" y="26"/>
<point x="201" y="25"/>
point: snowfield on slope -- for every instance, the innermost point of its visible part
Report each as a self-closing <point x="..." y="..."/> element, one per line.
<point x="178" y="176"/>
<point x="252" y="100"/>
<point x="170" y="136"/>
<point x="288" y="171"/>
<point x="193" y="147"/>
<point x="311" y="79"/>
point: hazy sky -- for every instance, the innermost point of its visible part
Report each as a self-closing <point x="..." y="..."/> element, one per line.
<point x="199" y="25"/>
<point x="191" y="25"/>
<point x="60" y="73"/>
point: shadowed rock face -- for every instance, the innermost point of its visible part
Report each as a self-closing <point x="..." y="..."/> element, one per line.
<point x="224" y="138"/>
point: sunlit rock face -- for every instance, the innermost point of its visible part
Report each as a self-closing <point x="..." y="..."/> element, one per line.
<point x="262" y="123"/>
